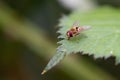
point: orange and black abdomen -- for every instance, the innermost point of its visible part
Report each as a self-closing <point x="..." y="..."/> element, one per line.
<point x="80" y="29"/>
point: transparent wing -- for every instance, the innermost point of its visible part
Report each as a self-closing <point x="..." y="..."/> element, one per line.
<point x="86" y="27"/>
<point x="76" y="24"/>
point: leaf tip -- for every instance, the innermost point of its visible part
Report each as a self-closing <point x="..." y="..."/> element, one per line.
<point x="43" y="72"/>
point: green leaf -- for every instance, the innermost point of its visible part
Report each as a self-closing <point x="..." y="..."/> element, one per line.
<point x="102" y="40"/>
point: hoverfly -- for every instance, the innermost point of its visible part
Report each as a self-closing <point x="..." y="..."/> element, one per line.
<point x="76" y="29"/>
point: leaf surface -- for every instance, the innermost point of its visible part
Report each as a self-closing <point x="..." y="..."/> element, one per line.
<point x="102" y="40"/>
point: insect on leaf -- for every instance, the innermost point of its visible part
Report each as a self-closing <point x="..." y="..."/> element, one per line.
<point x="101" y="41"/>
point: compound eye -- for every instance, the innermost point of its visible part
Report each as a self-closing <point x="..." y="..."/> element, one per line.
<point x="71" y="35"/>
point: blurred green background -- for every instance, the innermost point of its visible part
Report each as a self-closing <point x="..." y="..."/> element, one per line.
<point x="28" y="40"/>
